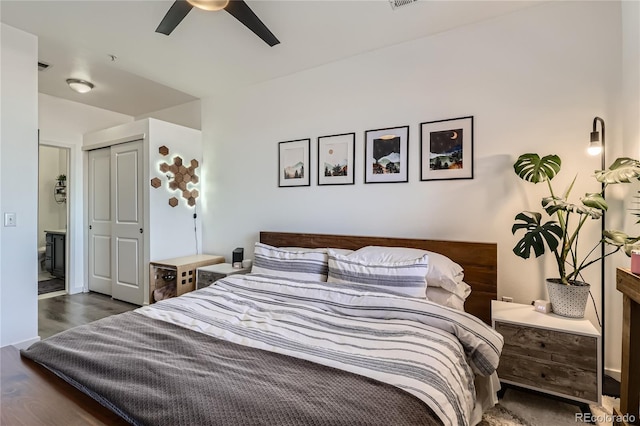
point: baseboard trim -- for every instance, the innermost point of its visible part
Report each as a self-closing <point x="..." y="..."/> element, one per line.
<point x="76" y="290"/>
<point x="615" y="374"/>
<point x="25" y="343"/>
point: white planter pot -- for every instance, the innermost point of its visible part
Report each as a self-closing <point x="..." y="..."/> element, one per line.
<point x="568" y="300"/>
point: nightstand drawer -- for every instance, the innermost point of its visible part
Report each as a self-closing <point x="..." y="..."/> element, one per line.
<point x="206" y="278"/>
<point x="564" y="348"/>
<point x="549" y="360"/>
<point x="563" y="379"/>
<point x="207" y="275"/>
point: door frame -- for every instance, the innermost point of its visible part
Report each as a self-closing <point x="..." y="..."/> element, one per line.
<point x="132" y="136"/>
<point x="71" y="206"/>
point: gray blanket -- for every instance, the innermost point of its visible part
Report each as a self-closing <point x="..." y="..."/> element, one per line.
<point x="155" y="373"/>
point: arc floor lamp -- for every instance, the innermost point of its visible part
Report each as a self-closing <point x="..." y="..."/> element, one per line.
<point x="597" y="146"/>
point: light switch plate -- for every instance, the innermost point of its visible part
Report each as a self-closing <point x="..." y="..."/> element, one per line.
<point x="9" y="219"/>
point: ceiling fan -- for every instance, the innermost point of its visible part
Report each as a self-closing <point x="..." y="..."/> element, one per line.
<point x="237" y="8"/>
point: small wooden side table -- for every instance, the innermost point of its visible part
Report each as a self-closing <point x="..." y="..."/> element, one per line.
<point x="179" y="272"/>
<point x="629" y="285"/>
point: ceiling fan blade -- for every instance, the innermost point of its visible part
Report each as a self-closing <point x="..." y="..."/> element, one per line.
<point x="243" y="13"/>
<point x="174" y="16"/>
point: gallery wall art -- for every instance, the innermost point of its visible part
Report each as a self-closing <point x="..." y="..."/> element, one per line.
<point x="336" y="159"/>
<point x="446" y="153"/>
<point x="446" y="149"/>
<point x="387" y="155"/>
<point x="293" y="163"/>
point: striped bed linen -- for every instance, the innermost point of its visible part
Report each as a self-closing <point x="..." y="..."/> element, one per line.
<point x="298" y="264"/>
<point x="405" y="277"/>
<point x="428" y="350"/>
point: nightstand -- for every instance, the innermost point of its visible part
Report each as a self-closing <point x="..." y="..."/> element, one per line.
<point x="177" y="276"/>
<point x="549" y="353"/>
<point x="207" y="275"/>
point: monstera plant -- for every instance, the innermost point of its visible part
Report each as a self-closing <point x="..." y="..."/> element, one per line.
<point x="559" y="232"/>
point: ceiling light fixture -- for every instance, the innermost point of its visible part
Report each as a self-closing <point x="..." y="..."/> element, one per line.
<point x="209" y="4"/>
<point x="80" y="86"/>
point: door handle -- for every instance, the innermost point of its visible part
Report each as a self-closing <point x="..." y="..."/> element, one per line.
<point x="141" y="230"/>
<point x="90" y="227"/>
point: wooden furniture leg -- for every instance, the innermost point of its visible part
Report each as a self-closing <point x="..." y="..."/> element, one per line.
<point x="630" y="383"/>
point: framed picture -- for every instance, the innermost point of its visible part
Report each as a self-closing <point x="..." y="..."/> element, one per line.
<point x="336" y="158"/>
<point x="446" y="149"/>
<point x="293" y="163"/>
<point x="386" y="154"/>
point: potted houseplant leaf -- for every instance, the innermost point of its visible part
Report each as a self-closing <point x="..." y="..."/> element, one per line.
<point x="560" y="231"/>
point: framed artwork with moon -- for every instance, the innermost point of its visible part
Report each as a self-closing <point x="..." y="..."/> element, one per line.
<point x="446" y="149"/>
<point x="336" y="158"/>
<point x="386" y="153"/>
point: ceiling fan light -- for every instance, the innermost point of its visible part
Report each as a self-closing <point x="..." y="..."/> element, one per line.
<point x="80" y="86"/>
<point x="209" y="4"/>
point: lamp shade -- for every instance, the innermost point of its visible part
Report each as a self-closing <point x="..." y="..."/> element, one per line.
<point x="209" y="4"/>
<point x="595" y="148"/>
<point x="80" y="86"/>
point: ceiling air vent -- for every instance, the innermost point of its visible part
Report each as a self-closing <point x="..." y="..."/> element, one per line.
<point x="399" y="3"/>
<point x="43" y="66"/>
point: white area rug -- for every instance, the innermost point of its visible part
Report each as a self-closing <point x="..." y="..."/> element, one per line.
<point x="528" y="409"/>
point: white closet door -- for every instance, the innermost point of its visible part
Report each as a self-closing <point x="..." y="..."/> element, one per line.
<point x="128" y="222"/>
<point x="100" y="220"/>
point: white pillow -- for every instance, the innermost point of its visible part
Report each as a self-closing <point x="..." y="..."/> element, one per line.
<point x="403" y="277"/>
<point x="306" y="265"/>
<point x="445" y="298"/>
<point x="443" y="272"/>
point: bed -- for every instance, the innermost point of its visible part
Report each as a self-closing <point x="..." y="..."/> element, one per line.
<point x="278" y="349"/>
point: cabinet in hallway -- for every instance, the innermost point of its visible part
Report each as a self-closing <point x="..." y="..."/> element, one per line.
<point x="54" y="259"/>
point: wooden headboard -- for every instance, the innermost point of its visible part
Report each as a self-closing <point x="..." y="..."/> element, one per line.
<point x="479" y="260"/>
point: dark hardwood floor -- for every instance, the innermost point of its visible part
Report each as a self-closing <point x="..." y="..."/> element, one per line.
<point x="33" y="396"/>
<point x="60" y="313"/>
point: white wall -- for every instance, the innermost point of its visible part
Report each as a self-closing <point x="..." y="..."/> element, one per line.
<point x="533" y="80"/>
<point x="188" y="115"/>
<point x="631" y="77"/>
<point x="62" y="123"/>
<point x="18" y="186"/>
<point x="174" y="231"/>
<point x="65" y="121"/>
